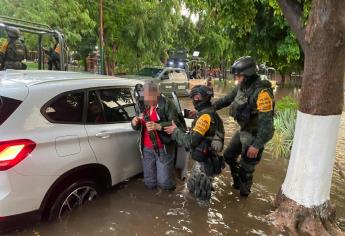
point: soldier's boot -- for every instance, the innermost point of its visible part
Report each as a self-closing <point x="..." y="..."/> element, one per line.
<point x="236" y="182"/>
<point x="246" y="179"/>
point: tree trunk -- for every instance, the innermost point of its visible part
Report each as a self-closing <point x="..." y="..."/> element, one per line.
<point x="85" y="63"/>
<point x="110" y="61"/>
<point x="303" y="203"/>
<point x="283" y="79"/>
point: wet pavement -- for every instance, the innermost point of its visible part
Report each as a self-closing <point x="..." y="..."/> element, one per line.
<point x="130" y="209"/>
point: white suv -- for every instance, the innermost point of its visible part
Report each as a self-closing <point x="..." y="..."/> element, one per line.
<point x="64" y="137"/>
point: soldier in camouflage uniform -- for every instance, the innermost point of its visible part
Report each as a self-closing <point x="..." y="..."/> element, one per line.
<point x="54" y="55"/>
<point x="205" y="141"/>
<point x="12" y="51"/>
<point x="252" y="106"/>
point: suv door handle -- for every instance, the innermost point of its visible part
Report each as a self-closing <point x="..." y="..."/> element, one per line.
<point x="104" y="134"/>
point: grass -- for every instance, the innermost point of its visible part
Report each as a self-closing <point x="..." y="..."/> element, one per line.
<point x="285" y="103"/>
<point x="31" y="65"/>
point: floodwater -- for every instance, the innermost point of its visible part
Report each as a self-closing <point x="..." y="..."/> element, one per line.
<point x="131" y="209"/>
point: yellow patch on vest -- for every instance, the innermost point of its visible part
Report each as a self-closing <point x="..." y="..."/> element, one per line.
<point x="203" y="124"/>
<point x="3" y="47"/>
<point x="58" y="49"/>
<point x="264" y="102"/>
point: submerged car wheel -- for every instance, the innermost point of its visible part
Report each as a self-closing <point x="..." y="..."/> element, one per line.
<point x="72" y="197"/>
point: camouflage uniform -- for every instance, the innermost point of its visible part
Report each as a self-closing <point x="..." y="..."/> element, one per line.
<point x="12" y="51"/>
<point x="252" y="106"/>
<point x="207" y="127"/>
<point x="54" y="57"/>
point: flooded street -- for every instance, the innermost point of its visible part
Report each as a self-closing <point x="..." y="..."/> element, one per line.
<point x="131" y="209"/>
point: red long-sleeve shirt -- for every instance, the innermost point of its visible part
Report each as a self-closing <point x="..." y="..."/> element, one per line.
<point x="146" y="137"/>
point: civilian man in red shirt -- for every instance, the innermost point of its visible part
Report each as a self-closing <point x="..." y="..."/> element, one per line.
<point x="161" y="111"/>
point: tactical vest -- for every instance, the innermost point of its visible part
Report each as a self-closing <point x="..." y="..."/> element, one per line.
<point x="216" y="130"/>
<point x="243" y="108"/>
<point x="212" y="162"/>
<point x="15" y="51"/>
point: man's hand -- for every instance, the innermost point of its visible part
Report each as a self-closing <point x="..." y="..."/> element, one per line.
<point x="135" y="121"/>
<point x="150" y="126"/>
<point x="170" y="129"/>
<point x="192" y="114"/>
<point x="252" y="152"/>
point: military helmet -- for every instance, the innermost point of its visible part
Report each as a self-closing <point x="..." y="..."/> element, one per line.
<point x="12" y="32"/>
<point x="244" y="66"/>
<point x="205" y="92"/>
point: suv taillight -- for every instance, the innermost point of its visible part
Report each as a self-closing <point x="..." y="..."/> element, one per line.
<point x="14" y="151"/>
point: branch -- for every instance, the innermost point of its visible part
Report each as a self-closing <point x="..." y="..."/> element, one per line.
<point x="293" y="13"/>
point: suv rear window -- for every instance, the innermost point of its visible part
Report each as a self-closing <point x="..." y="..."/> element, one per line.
<point x="7" y="107"/>
<point x="113" y="105"/>
<point x="65" y="108"/>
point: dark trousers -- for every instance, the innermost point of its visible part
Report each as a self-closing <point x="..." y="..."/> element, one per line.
<point x="242" y="170"/>
<point x="158" y="170"/>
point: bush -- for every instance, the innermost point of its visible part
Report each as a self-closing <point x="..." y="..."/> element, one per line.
<point x="284" y="124"/>
<point x="285" y="103"/>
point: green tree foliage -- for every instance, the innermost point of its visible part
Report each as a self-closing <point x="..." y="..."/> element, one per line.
<point x="138" y="32"/>
<point x="255" y="28"/>
<point x="188" y="36"/>
<point x="71" y="17"/>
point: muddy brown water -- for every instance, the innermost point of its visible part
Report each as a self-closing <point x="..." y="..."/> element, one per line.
<point x="130" y="209"/>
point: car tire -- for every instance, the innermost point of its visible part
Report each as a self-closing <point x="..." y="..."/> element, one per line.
<point x="73" y="196"/>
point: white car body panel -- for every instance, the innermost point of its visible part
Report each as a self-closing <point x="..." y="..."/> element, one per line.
<point x="113" y="146"/>
<point x="59" y="147"/>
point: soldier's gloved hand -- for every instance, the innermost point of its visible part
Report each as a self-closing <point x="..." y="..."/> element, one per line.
<point x="170" y="129"/>
<point x="217" y="145"/>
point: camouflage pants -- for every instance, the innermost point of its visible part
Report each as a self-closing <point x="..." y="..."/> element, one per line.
<point x="199" y="183"/>
<point x="242" y="170"/>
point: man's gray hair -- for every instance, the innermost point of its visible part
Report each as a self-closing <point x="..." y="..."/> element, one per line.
<point x="151" y="86"/>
